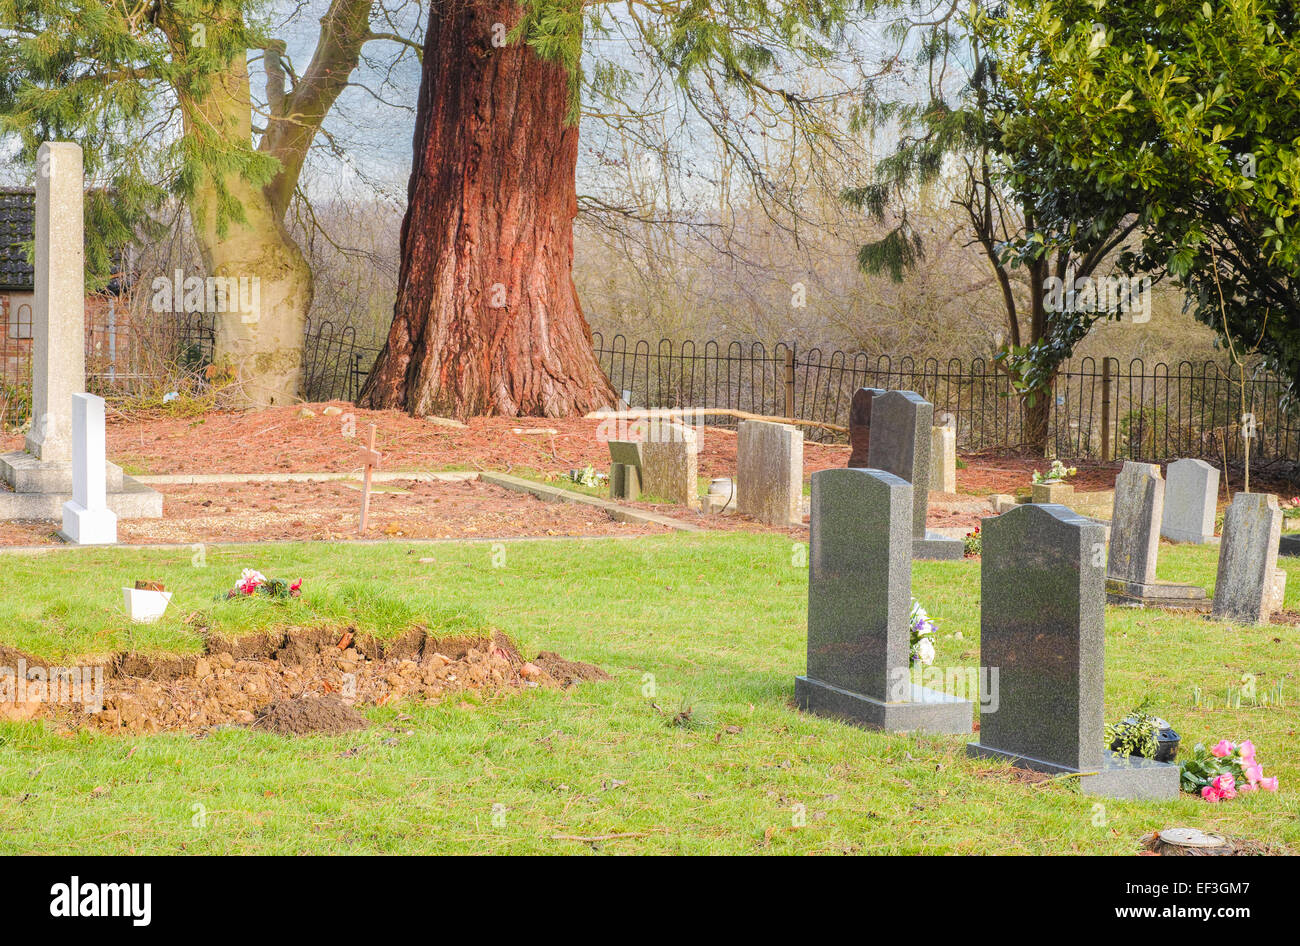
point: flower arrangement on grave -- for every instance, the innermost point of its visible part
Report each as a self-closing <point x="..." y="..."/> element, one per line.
<point x="922" y="629"/>
<point x="1224" y="771"/>
<point x="588" y="476"/>
<point x="253" y="583"/>
<point x="1291" y="507"/>
<point x="1143" y="734"/>
<point x="974" y="543"/>
<point x="1057" y="474"/>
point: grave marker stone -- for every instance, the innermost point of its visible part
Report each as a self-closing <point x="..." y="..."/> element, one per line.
<point x="41" y="474"/>
<point x="860" y="427"/>
<point x="900" y="444"/>
<point x="1135" y="543"/>
<point x="370" y="458"/>
<point x="87" y="520"/>
<point x="1191" y="496"/>
<point x="769" y="473"/>
<point x="624" y="469"/>
<point x="859" y="601"/>
<point x="1042" y="626"/>
<point x="1244" y="590"/>
<point x="670" y="464"/>
<point x="943" y="459"/>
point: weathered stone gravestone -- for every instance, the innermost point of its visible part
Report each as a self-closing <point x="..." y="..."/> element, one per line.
<point x="859" y="602"/>
<point x="769" y="473"/>
<point x="860" y="427"/>
<point x="1245" y="589"/>
<point x="41" y="475"/>
<point x="87" y="520"/>
<point x="670" y="464"/>
<point x="943" y="459"/>
<point x="1191" y="498"/>
<point x="624" y="469"/>
<point x="1135" y="543"/>
<point x="1042" y="625"/>
<point x="900" y="444"/>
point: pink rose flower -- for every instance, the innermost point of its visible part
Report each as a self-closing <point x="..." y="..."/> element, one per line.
<point x="1225" y="785"/>
<point x="1247" y="750"/>
<point x="1268" y="784"/>
<point x="1254" y="773"/>
<point x="1223" y="749"/>
<point x="1210" y="793"/>
<point x="1248" y="787"/>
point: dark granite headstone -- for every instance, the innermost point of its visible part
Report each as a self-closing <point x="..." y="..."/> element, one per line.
<point x="1289" y="544"/>
<point x="900" y="444"/>
<point x="859" y="598"/>
<point x="860" y="427"/>
<point x="1042" y="626"/>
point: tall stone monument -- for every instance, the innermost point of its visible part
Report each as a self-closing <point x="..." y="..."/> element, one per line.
<point x="40" y="476"/>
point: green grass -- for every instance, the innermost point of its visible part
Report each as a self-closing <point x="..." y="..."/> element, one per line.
<point x="716" y="623"/>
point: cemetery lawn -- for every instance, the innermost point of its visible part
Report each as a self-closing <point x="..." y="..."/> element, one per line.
<point x="715" y="761"/>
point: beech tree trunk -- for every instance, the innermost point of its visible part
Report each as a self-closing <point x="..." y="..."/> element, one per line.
<point x="260" y="344"/>
<point x="487" y="319"/>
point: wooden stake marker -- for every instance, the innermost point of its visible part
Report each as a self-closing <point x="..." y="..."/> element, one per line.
<point x="370" y="457"/>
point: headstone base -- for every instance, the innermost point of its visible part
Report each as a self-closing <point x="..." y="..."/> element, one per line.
<point x="1157" y="594"/>
<point x="1289" y="544"/>
<point x="83" y="526"/>
<point x="1122" y="777"/>
<point x="26" y="474"/>
<point x="930" y="710"/>
<point x="133" y="500"/>
<point x="1196" y="538"/>
<point x="938" y="548"/>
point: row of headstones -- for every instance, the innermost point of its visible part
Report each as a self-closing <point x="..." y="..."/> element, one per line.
<point x="1042" y="634"/>
<point x="1249" y="585"/>
<point x="769" y="462"/>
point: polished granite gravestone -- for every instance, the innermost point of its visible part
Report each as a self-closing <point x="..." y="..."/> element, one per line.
<point x="1289" y="544"/>
<point x="859" y="602"/>
<point x="1135" y="544"/>
<point x="1191" y="500"/>
<point x="860" y="427"/>
<point x="1042" y="626"/>
<point x="769" y="473"/>
<point x="900" y="444"/>
<point x="1244" y="590"/>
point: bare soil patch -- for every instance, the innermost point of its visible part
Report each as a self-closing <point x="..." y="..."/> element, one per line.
<point x="331" y="511"/>
<point x="293" y="683"/>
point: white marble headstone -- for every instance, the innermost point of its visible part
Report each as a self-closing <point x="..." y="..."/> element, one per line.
<point x="87" y="520"/>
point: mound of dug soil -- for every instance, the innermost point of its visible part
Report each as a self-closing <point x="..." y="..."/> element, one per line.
<point x="309" y="714"/>
<point x="300" y="681"/>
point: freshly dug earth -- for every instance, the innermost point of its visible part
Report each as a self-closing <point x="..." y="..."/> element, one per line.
<point x="302" y="681"/>
<point x="309" y="714"/>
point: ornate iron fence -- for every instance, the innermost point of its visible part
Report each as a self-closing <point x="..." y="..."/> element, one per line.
<point x="1101" y="409"/>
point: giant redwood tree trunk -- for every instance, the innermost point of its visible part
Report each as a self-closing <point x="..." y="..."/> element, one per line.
<point x="487" y="319"/>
